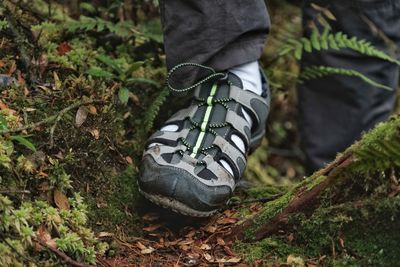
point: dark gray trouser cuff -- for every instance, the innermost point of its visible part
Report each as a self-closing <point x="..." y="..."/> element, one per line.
<point x="335" y="110"/>
<point x="218" y="33"/>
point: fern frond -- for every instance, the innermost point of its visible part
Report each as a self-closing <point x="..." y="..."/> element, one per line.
<point x="333" y="41"/>
<point x="380" y="148"/>
<point x="122" y="29"/>
<point x="314" y="72"/>
<point x="154" y="109"/>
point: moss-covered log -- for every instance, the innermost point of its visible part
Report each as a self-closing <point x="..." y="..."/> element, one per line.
<point x="363" y="176"/>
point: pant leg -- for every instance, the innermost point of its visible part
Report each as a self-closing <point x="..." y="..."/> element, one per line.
<point x="335" y="110"/>
<point x="218" y="33"/>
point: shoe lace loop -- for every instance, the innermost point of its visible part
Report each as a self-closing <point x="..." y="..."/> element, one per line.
<point x="213" y="74"/>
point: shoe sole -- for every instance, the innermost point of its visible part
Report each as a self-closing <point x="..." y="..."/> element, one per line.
<point x="176" y="206"/>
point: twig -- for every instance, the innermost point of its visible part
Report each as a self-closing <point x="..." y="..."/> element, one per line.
<point x="64" y="257"/>
<point x="51" y="118"/>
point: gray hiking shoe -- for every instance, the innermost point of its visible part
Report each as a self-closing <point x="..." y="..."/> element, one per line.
<point x="194" y="162"/>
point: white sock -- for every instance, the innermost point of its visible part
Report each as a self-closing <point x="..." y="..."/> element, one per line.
<point x="250" y="75"/>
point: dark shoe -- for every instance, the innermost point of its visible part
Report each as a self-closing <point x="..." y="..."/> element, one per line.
<point x="192" y="164"/>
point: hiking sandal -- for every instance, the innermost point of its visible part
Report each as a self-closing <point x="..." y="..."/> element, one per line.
<point x="193" y="163"/>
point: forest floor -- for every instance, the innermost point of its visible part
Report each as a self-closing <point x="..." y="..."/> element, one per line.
<point x="79" y="96"/>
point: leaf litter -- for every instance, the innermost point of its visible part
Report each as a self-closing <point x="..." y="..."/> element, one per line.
<point x="194" y="245"/>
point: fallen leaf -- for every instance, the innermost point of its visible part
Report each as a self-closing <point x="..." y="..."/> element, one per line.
<point x="92" y="109"/>
<point x="211" y="229"/>
<point x="43" y="234"/>
<point x="227" y="221"/>
<point x="229" y="213"/>
<point x="141" y="246"/>
<point x="134" y="98"/>
<point x="59" y="155"/>
<point x="208" y="257"/>
<point x="63" y="48"/>
<point x="152" y="228"/>
<point x="81" y="116"/>
<point x="105" y="234"/>
<point x="147" y="250"/>
<point x="185" y="242"/>
<point x="95" y="133"/>
<point x="61" y="200"/>
<point x="290" y="237"/>
<point x="129" y="160"/>
<point x="220" y="241"/>
<point x="45" y="237"/>
<point x="205" y="247"/>
<point x="234" y="260"/>
<point x="3" y="106"/>
<point x="150" y="217"/>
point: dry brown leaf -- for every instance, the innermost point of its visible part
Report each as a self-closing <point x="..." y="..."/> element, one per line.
<point x="129" y="160"/>
<point x="205" y="247"/>
<point x="43" y="234"/>
<point x="61" y="200"/>
<point x="229" y="213"/>
<point x="290" y="237"/>
<point x="3" y="106"/>
<point x="141" y="246"/>
<point x="150" y="217"/>
<point x="208" y="257"/>
<point x="227" y="221"/>
<point x="220" y="241"/>
<point x="81" y="116"/>
<point x="211" y="229"/>
<point x="92" y="109"/>
<point x="152" y="228"/>
<point x="63" y="48"/>
<point x="185" y="242"/>
<point x="45" y="237"/>
<point x="234" y="260"/>
<point x="105" y="234"/>
<point x="147" y="250"/>
<point x="134" y="98"/>
<point x="95" y="133"/>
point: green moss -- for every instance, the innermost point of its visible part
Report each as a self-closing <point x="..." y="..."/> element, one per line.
<point x="265" y="191"/>
<point x="273" y="248"/>
<point x="271" y="209"/>
<point x="118" y="207"/>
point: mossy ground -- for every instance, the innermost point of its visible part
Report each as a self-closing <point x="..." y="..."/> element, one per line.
<point x="100" y="157"/>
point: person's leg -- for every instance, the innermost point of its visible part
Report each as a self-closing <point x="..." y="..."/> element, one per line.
<point x="336" y="109"/>
<point x="192" y="164"/>
<point x="217" y="33"/>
